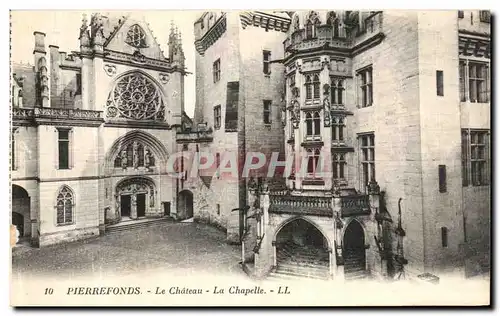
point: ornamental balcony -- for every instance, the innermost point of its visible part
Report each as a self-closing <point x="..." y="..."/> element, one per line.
<point x="350" y="205"/>
<point x="54" y="116"/>
<point x="356" y="38"/>
<point x="202" y="135"/>
<point x="284" y="202"/>
<point x="298" y="41"/>
<point x="354" y="205"/>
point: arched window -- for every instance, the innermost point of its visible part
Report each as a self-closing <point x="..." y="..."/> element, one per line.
<point x="338" y="129"/>
<point x="317" y="124"/>
<point x="136" y="37"/>
<point x="308" y="88"/>
<point x="309" y="124"/>
<point x="338" y="168"/>
<point x="312" y="161"/>
<point x="313" y="125"/>
<point x="311" y="25"/>
<point x="334" y="22"/>
<point x="137" y="97"/>
<point x="64" y="206"/>
<point x="337" y="91"/>
<point x="316" y="88"/>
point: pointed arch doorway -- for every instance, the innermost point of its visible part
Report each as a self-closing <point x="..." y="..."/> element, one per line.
<point x="354" y="249"/>
<point x="21" y="210"/>
<point x="136" y="198"/>
<point x="302" y="250"/>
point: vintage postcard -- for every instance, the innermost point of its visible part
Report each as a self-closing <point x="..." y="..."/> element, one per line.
<point x="250" y="158"/>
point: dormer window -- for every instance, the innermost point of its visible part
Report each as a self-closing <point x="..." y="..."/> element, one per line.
<point x="136" y="37"/>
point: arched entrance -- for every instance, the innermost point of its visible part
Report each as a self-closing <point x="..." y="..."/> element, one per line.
<point x="21" y="210"/>
<point x="301" y="249"/>
<point x="135" y="198"/>
<point x="354" y="249"/>
<point x="185" y="205"/>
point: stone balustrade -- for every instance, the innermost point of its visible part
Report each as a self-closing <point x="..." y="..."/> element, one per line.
<point x="55" y="113"/>
<point x="354" y="205"/>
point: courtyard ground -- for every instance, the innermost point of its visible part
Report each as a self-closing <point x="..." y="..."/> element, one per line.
<point x="182" y="247"/>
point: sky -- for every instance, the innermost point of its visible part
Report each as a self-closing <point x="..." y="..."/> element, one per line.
<point x="62" y="29"/>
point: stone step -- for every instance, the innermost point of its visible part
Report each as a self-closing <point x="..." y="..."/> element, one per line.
<point x="294" y="275"/>
<point x="356" y="275"/>
<point x="303" y="273"/>
<point x="136" y="225"/>
<point x="306" y="265"/>
<point x="303" y="267"/>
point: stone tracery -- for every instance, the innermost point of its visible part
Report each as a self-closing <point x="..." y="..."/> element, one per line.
<point x="136" y="97"/>
<point x="136" y="36"/>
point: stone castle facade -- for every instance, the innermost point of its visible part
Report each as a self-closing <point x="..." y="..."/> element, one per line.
<point x="399" y="102"/>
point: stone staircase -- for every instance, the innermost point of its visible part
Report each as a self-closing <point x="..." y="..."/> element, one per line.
<point x="354" y="265"/>
<point x="296" y="263"/>
<point x="135" y="224"/>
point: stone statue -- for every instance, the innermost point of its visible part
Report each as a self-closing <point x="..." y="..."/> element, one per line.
<point x="326" y="106"/>
<point x="147" y="157"/>
<point x="123" y="156"/>
<point x="135" y="149"/>
<point x="296" y="114"/>
<point x="134" y="199"/>
<point x="151" y="197"/>
<point x="283" y="115"/>
<point x="96" y="24"/>
<point x="84" y="33"/>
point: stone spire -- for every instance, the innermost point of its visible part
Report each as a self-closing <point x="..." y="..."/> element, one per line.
<point x="176" y="53"/>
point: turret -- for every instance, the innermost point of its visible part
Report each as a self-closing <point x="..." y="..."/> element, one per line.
<point x="175" y="51"/>
<point x="41" y="70"/>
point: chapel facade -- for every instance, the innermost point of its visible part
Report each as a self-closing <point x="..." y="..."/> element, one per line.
<point x="92" y="131"/>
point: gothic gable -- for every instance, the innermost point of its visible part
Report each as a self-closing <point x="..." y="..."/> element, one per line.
<point x="134" y="35"/>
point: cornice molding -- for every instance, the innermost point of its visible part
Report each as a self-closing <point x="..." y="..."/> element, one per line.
<point x="264" y="20"/>
<point x="212" y="35"/>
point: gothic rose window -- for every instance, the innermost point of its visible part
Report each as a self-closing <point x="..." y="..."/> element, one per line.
<point x="64" y="206"/>
<point x="135" y="97"/>
<point x="136" y="36"/>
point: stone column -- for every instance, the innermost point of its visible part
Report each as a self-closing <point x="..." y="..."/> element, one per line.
<point x="331" y="262"/>
<point x="133" y="206"/>
<point x="372" y="254"/>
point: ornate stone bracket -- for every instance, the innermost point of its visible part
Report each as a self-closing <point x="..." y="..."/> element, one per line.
<point x="110" y="69"/>
<point x="164" y="78"/>
<point x="373" y="187"/>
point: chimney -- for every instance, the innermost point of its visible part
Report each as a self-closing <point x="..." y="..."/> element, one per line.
<point x="39" y="42"/>
<point x="62" y="57"/>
